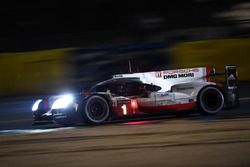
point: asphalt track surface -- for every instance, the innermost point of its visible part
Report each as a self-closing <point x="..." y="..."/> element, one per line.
<point x="192" y="140"/>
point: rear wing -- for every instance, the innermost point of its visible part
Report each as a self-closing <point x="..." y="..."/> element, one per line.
<point x="231" y="76"/>
<point x="231" y="86"/>
<point x="231" y="81"/>
<point x="230" y="73"/>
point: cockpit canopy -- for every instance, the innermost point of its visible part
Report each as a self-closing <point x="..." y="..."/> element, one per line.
<point x="125" y="87"/>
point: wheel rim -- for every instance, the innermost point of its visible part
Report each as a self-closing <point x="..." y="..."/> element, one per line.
<point x="97" y="109"/>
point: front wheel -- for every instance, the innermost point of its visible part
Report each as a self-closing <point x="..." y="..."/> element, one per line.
<point x="95" y="110"/>
<point x="210" y="100"/>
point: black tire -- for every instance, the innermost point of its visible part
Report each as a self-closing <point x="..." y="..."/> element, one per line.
<point x="210" y="100"/>
<point x="95" y="110"/>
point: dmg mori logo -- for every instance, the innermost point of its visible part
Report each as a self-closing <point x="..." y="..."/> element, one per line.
<point x="158" y="74"/>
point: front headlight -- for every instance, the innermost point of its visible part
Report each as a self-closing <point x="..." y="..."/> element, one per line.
<point x="36" y="104"/>
<point x="62" y="102"/>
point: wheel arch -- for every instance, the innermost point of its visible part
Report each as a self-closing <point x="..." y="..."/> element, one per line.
<point x="218" y="86"/>
<point x="191" y="88"/>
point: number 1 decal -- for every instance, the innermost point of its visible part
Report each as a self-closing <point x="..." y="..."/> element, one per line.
<point x="124" y="109"/>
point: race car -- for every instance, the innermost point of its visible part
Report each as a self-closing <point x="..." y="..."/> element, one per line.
<point x="155" y="92"/>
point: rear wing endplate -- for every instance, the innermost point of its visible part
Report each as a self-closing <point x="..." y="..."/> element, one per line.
<point x="231" y="90"/>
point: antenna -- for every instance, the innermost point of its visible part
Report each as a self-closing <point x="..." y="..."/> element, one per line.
<point x="129" y="66"/>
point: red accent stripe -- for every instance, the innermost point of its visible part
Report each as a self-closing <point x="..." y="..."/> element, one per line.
<point x="184" y="106"/>
<point x="208" y="73"/>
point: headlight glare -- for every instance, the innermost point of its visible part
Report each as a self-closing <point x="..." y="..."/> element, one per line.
<point x="62" y="102"/>
<point x="36" y="104"/>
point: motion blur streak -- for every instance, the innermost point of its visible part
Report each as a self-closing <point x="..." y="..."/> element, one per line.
<point x="33" y="131"/>
<point x="142" y="122"/>
<point x="166" y="143"/>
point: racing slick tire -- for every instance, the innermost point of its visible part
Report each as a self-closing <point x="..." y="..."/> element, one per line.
<point x="95" y="110"/>
<point x="210" y="100"/>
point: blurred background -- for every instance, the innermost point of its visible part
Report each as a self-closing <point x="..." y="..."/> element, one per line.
<point x="50" y="47"/>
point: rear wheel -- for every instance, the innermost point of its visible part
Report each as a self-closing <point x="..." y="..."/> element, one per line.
<point x="210" y="100"/>
<point x="96" y="110"/>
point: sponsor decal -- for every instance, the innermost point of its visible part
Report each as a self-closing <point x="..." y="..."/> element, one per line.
<point x="158" y="74"/>
<point x="170" y="76"/>
<point x="181" y="71"/>
<point x="231" y="77"/>
<point x="185" y="75"/>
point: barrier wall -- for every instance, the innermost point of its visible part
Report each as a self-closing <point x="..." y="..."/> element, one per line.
<point x="215" y="53"/>
<point x="37" y="72"/>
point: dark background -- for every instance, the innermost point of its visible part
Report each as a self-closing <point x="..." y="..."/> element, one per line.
<point x="43" y="24"/>
<point x="103" y="36"/>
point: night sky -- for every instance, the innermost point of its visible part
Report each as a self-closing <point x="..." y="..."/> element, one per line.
<point x="28" y="25"/>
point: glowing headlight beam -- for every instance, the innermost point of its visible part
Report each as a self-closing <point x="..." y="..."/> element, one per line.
<point x="36" y="104"/>
<point x="62" y="102"/>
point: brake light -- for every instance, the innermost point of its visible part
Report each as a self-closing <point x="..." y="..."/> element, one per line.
<point x="134" y="104"/>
